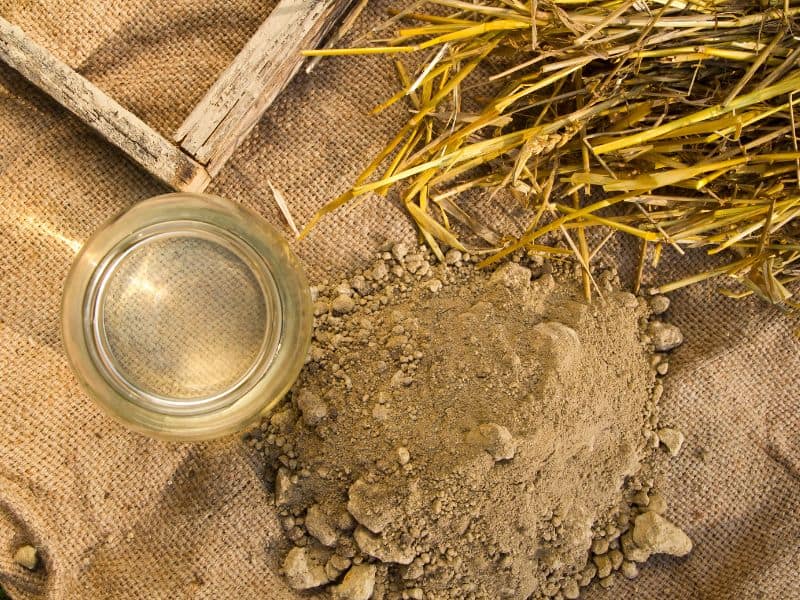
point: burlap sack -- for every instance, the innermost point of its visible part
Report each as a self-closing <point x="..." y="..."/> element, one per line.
<point x="117" y="515"/>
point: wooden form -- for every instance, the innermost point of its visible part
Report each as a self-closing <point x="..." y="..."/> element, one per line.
<point x="80" y="96"/>
<point x="236" y="101"/>
<point x="223" y="118"/>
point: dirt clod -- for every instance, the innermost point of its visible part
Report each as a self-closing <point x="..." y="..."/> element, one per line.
<point x="27" y="556"/>
<point x="665" y="336"/>
<point x="357" y="584"/>
<point x="302" y="571"/>
<point x="659" y="304"/>
<point x="672" y="440"/>
<point x="385" y="550"/>
<point x="630" y="570"/>
<point x="318" y="525"/>
<point x="342" y="305"/>
<point x="312" y="407"/>
<point x="495" y="439"/>
<point x="654" y="534"/>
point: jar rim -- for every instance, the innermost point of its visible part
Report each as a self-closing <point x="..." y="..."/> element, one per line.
<point x="279" y="275"/>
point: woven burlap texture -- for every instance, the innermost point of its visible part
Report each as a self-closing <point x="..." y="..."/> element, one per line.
<point x="118" y="515"/>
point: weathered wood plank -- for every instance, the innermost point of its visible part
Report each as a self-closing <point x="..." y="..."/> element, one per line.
<point x="125" y="130"/>
<point x="236" y="101"/>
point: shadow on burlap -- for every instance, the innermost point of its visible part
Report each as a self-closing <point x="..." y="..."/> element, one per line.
<point x="117" y="515"/>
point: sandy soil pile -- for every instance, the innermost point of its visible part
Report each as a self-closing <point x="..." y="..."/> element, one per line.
<point x="461" y="434"/>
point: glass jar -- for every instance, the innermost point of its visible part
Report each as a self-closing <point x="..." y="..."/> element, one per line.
<point x="186" y="317"/>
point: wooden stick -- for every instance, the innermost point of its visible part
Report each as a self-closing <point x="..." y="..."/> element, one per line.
<point x="120" y="127"/>
<point x="236" y="101"/>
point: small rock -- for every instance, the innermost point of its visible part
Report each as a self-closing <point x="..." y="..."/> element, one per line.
<point x="340" y="563"/>
<point x="434" y="285"/>
<point x="344" y="289"/>
<point x="403" y="455"/>
<point x="616" y="559"/>
<point x="342" y="305"/>
<point x="359" y="284"/>
<point x="415" y="594"/>
<point x="315" y="353"/>
<point x="382" y="549"/>
<point x="399" y="251"/>
<point x="344" y="520"/>
<point x="588" y="573"/>
<point x="607" y="582"/>
<point x="570" y="590"/>
<point x="302" y="571"/>
<point x="512" y="275"/>
<point x="413" y="571"/>
<point x="655" y="534"/>
<point x="283" y="485"/>
<point x="495" y="439"/>
<point x="296" y="534"/>
<point x="452" y="256"/>
<point x="672" y="440"/>
<point x="283" y="420"/>
<point x="627" y="300"/>
<point x="358" y="584"/>
<point x="318" y="526"/>
<point x="604" y="565"/>
<point x="600" y="546"/>
<point x="370" y="505"/>
<point x="27" y="557"/>
<point x="659" y="304"/>
<point x="312" y="407"/>
<point x="400" y="379"/>
<point x="662" y="368"/>
<point x="640" y="499"/>
<point x="413" y="263"/>
<point x="336" y="565"/>
<point x="630" y="570"/>
<point x="665" y="336"/>
<point x="379" y="270"/>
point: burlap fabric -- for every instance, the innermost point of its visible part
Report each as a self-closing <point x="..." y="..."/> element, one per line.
<point x="117" y="515"/>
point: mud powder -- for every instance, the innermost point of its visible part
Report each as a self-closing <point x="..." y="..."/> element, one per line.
<point x="463" y="434"/>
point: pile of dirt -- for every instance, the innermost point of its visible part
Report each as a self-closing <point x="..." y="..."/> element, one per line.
<point x="463" y="434"/>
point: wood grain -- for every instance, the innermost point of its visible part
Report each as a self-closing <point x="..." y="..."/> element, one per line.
<point x="236" y="101"/>
<point x="125" y="130"/>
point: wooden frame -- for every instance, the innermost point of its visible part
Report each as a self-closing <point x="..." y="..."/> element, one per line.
<point x="221" y="120"/>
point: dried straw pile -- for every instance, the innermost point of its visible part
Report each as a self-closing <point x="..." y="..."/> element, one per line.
<point x="681" y="111"/>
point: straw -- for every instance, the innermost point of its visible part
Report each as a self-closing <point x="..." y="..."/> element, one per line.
<point x="683" y="111"/>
